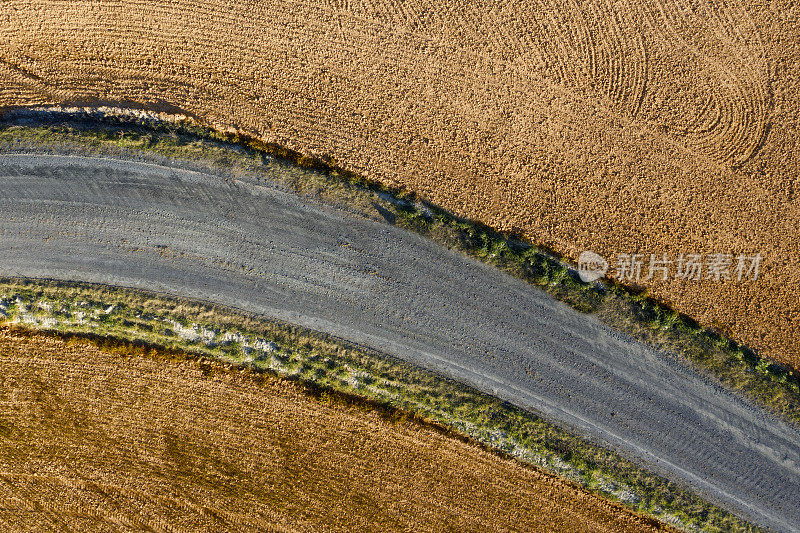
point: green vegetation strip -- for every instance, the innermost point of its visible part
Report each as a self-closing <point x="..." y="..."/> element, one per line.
<point x="332" y="365"/>
<point x="185" y="143"/>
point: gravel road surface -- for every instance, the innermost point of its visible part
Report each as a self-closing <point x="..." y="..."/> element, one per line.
<point x="250" y="246"/>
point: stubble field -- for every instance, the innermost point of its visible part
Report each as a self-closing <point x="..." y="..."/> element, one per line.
<point x="662" y="126"/>
<point x="123" y="440"/>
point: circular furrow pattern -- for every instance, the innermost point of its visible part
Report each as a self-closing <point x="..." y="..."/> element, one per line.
<point x="729" y="62"/>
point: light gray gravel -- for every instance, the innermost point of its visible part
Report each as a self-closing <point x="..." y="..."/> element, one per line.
<point x="252" y="247"/>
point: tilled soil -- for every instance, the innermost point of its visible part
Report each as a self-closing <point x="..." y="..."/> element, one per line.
<point x="99" y="440"/>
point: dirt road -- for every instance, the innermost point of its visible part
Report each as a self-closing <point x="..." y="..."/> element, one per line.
<point x="250" y="246"/>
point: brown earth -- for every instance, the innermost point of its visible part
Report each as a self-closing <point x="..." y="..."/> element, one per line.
<point x="655" y="126"/>
<point x="113" y="440"/>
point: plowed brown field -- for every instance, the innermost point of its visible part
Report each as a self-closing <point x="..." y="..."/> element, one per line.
<point x="650" y="126"/>
<point x="99" y="440"/>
